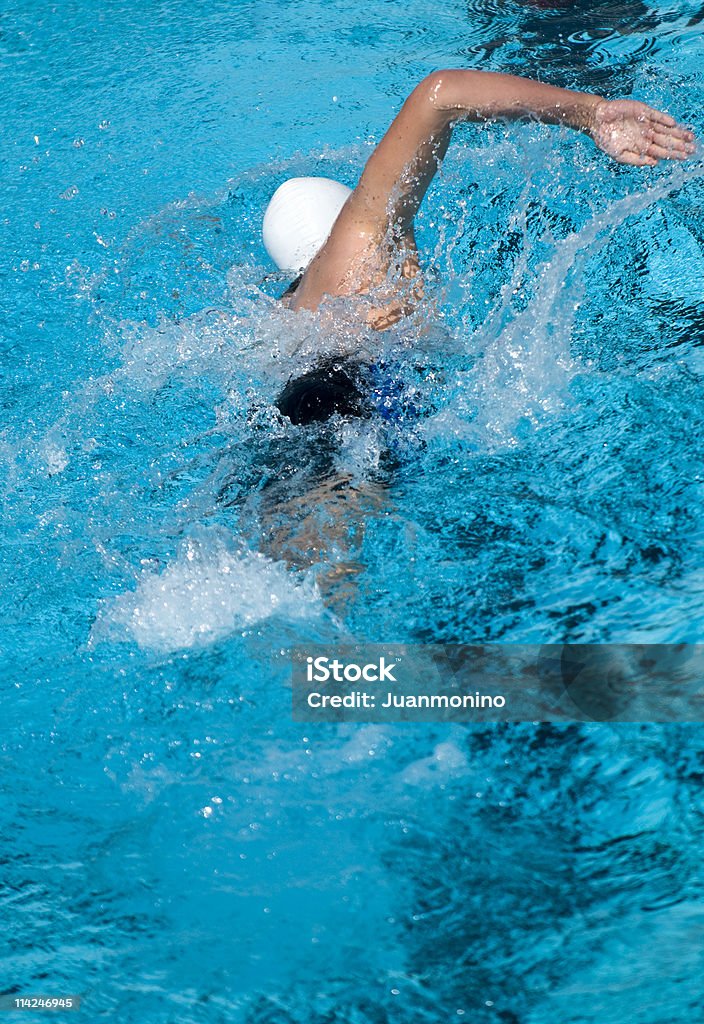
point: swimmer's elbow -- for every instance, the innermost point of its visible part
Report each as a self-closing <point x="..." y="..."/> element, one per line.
<point x="433" y="88"/>
<point x="448" y="91"/>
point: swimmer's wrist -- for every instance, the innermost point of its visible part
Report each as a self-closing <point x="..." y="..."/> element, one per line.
<point x="575" y="110"/>
<point x="584" y="117"/>
<point x="591" y="108"/>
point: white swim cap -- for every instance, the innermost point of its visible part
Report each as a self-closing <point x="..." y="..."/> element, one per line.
<point x="299" y="219"/>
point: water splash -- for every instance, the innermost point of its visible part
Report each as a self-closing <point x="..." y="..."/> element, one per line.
<point x="211" y="590"/>
<point x="526" y="363"/>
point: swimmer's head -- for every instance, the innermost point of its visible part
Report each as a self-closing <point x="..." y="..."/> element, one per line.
<point x="333" y="386"/>
<point x="299" y="219"/>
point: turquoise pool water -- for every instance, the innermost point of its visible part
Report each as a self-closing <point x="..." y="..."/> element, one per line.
<point x="174" y="847"/>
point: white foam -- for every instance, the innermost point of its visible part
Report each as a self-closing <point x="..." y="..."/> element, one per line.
<point x="198" y="344"/>
<point x="209" y="591"/>
<point x="55" y="458"/>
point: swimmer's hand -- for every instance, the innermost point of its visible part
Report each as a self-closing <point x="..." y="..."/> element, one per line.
<point x="634" y="133"/>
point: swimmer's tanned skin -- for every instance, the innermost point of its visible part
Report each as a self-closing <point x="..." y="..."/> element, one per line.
<point x="375" y="227"/>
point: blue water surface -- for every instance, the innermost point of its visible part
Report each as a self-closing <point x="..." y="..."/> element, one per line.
<point x="173" y="846"/>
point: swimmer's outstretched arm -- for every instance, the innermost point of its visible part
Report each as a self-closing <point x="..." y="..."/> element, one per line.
<point x="398" y="173"/>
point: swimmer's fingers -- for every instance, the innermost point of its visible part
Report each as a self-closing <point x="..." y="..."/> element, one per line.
<point x="654" y="119"/>
<point x="657" y="144"/>
<point x="668" y="151"/>
<point x="659" y="121"/>
<point x="657" y="116"/>
<point x="648" y="156"/>
<point x="676" y="142"/>
<point x="636" y="159"/>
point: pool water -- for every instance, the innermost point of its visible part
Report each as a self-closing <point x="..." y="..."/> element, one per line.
<point x="174" y="847"/>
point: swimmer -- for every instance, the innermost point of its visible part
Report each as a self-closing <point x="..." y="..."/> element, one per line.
<point x="344" y="243"/>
